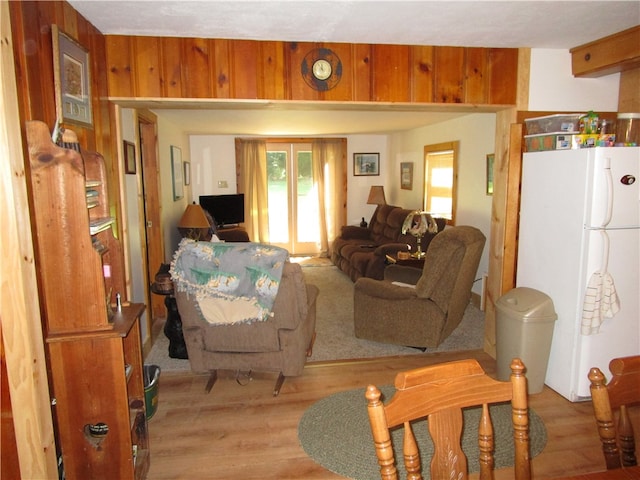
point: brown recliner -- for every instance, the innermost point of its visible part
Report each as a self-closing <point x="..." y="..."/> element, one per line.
<point x="280" y="343"/>
<point x="425" y="314"/>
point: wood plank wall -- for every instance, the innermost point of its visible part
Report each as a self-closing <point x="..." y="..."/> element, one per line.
<point x="33" y="50"/>
<point x="196" y="68"/>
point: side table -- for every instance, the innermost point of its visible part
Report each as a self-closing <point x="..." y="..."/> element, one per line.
<point x="408" y="262"/>
<point x="173" y="324"/>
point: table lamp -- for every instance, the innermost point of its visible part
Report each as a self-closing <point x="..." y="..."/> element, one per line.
<point x="376" y="195"/>
<point x="194" y="222"/>
<point x="417" y="224"/>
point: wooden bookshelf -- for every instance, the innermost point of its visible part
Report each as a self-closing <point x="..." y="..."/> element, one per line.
<point x="94" y="351"/>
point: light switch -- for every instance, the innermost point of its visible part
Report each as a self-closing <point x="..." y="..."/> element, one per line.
<point x="223" y="184"/>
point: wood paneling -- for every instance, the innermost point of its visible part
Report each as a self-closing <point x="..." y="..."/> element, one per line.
<point x="222" y="74"/>
<point x="343" y="91"/>
<point x="476" y="83"/>
<point x="146" y="52"/>
<point x="27" y="442"/>
<point x="422" y="75"/>
<point x="502" y="87"/>
<point x="171" y="79"/>
<point x="361" y="76"/>
<point x="246" y="69"/>
<point x="244" y="61"/>
<point x="390" y="73"/>
<point x="272" y="81"/>
<point x="9" y="464"/>
<point x="119" y="62"/>
<point x="298" y="88"/>
<point x="497" y="244"/>
<point x="449" y="82"/>
<point x="195" y="66"/>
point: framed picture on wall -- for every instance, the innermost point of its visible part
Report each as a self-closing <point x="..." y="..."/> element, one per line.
<point x="406" y="175"/>
<point x="71" y="78"/>
<point x="366" y="164"/>
<point x="129" y="158"/>
<point x="177" y="173"/>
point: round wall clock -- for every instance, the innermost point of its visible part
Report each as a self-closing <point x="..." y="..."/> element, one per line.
<point x="321" y="69"/>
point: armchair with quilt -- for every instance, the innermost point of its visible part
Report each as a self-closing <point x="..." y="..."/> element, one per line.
<point x="422" y="307"/>
<point x="244" y="307"/>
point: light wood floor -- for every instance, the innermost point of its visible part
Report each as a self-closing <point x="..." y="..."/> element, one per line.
<point x="243" y="432"/>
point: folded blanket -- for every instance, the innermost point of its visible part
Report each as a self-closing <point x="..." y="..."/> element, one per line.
<point x="232" y="282"/>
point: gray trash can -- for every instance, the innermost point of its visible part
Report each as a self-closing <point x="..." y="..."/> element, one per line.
<point x="524" y="328"/>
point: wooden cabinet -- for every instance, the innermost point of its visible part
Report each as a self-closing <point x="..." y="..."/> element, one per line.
<point x="94" y="351"/>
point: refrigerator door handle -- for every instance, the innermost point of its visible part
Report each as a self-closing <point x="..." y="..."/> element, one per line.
<point x="609" y="179"/>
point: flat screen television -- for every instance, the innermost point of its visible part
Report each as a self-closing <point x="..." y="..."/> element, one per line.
<point x="226" y="210"/>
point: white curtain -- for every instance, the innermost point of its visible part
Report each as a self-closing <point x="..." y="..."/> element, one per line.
<point x="251" y="169"/>
<point x="330" y="173"/>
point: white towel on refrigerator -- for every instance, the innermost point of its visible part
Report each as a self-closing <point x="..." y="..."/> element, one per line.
<point x="600" y="301"/>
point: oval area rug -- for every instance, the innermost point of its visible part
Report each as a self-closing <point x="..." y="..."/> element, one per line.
<point x="335" y="433"/>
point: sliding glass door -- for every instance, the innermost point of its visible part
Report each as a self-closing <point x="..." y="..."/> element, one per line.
<point x="293" y="198"/>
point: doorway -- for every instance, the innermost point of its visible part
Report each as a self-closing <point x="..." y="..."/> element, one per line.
<point x="292" y="198"/>
<point x="152" y="241"/>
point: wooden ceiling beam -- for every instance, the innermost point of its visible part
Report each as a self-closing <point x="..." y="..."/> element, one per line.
<point x="613" y="54"/>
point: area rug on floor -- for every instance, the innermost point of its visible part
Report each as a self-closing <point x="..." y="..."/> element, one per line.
<point x="335" y="337"/>
<point x="335" y="433"/>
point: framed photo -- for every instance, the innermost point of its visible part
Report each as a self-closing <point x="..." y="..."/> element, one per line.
<point x="187" y="173"/>
<point x="406" y="175"/>
<point x="366" y="164"/>
<point x="490" y="158"/>
<point x="72" y="81"/>
<point x="177" y="173"/>
<point x="129" y="158"/>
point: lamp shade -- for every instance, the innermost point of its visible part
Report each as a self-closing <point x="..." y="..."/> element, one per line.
<point x="376" y="195"/>
<point x="418" y="223"/>
<point x="193" y="217"/>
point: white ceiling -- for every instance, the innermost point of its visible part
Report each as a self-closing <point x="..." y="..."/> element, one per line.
<point x="535" y="24"/>
<point x="516" y="23"/>
<point x="300" y="118"/>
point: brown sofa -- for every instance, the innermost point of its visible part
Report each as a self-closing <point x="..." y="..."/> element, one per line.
<point x="361" y="251"/>
<point x="281" y="343"/>
<point x="425" y="315"/>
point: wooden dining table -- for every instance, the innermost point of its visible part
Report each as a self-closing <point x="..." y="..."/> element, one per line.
<point x="618" y="474"/>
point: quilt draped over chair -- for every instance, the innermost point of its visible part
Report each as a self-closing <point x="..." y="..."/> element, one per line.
<point x="232" y="282"/>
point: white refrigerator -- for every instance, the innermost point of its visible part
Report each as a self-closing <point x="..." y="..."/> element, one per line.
<point x="579" y="242"/>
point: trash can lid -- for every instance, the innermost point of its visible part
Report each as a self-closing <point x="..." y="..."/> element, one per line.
<point x="528" y="303"/>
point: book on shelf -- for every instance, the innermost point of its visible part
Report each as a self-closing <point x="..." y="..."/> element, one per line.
<point x="97" y="225"/>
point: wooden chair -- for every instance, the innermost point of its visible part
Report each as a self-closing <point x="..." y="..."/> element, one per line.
<point x="439" y="393"/>
<point x="623" y="391"/>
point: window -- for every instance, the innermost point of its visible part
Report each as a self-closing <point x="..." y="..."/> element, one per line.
<point x="440" y="180"/>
